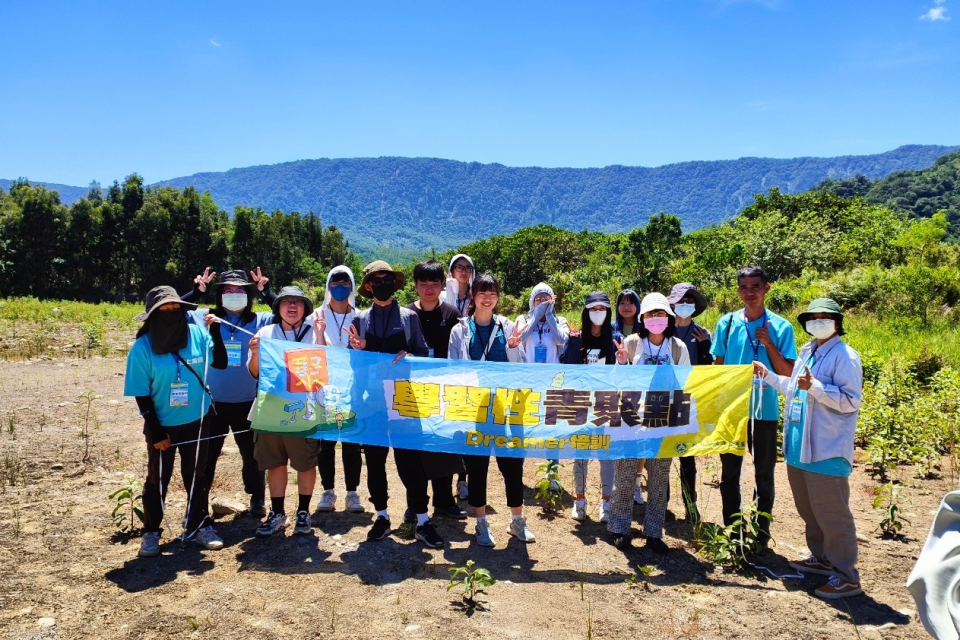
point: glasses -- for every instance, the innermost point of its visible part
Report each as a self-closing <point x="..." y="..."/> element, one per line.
<point x="382" y="280"/>
<point x="463" y="268"/>
<point x="229" y="289"/>
<point x="657" y="313"/>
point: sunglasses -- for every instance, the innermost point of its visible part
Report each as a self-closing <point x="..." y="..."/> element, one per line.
<point x="382" y="280"/>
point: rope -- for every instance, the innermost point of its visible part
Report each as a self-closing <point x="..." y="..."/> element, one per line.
<point x="188" y="535"/>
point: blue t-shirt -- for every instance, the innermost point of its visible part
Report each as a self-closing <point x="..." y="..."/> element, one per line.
<point x="734" y="342"/>
<point x="177" y="395"/>
<point x="793" y="439"/>
<point x="233" y="384"/>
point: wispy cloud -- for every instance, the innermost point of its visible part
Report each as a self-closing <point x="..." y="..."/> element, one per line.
<point x="937" y="13"/>
<point x="214" y="42"/>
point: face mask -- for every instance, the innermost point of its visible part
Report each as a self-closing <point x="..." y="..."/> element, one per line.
<point x="685" y="310"/>
<point x="821" y="329"/>
<point x="168" y="331"/>
<point x="597" y="317"/>
<point x="234" y="301"/>
<point x="383" y="291"/>
<point x="656" y="326"/>
<point x="339" y="292"/>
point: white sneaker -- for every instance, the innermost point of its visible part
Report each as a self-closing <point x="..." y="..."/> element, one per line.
<point x="518" y="529"/>
<point x="150" y="545"/>
<point x="579" y="511"/>
<point x="462" y="491"/>
<point x="208" y="539"/>
<point x="604" y="511"/>
<point x="353" y="504"/>
<point x="484" y="537"/>
<point x="638" y="494"/>
<point x="328" y="501"/>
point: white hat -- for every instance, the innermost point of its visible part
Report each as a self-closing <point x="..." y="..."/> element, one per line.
<point x="654" y="302"/>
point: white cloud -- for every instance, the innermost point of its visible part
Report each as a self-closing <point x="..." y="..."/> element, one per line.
<point x="214" y="42"/>
<point x="935" y="14"/>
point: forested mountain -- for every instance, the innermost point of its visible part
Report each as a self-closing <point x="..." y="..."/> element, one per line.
<point x="68" y="194"/>
<point x="416" y="203"/>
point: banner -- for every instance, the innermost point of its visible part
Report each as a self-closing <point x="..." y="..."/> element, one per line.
<point x="505" y="409"/>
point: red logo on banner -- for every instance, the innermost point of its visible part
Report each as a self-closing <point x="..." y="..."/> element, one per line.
<point x="306" y="370"/>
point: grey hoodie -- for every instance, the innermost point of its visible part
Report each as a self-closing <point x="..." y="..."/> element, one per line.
<point x="451" y="294"/>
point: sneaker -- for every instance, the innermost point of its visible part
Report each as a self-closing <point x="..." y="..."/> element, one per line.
<point x="604" y="511"/>
<point x="150" y="545"/>
<point x="328" y="500"/>
<point x="657" y="545"/>
<point x="380" y="529"/>
<point x="579" y="511"/>
<point x="427" y="534"/>
<point x="638" y="494"/>
<point x="484" y="537"/>
<point x="518" y="529"/>
<point x="622" y="541"/>
<point x="208" y="539"/>
<point x="462" y="491"/>
<point x="837" y="588"/>
<point x="451" y="511"/>
<point x="258" y="507"/>
<point x="353" y="503"/>
<point x="274" y="522"/>
<point x="812" y="565"/>
<point x="302" y="526"/>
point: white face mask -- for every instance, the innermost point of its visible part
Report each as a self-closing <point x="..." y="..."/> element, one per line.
<point x="597" y="317"/>
<point x="234" y="301"/>
<point x="685" y="310"/>
<point x="821" y="329"/>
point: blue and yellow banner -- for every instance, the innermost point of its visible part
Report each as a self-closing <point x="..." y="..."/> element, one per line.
<point x="506" y="409"/>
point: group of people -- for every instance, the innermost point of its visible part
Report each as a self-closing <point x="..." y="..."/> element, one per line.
<point x="194" y="374"/>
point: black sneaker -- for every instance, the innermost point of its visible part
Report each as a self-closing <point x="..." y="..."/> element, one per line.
<point x="622" y="541"/>
<point x="657" y="545"/>
<point x="450" y="511"/>
<point x="427" y="534"/>
<point x="303" y="526"/>
<point x="380" y="529"/>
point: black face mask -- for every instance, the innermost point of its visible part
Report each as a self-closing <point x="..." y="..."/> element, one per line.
<point x="168" y="331"/>
<point x="383" y="291"/>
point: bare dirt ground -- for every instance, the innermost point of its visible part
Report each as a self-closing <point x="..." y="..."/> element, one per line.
<point x="61" y="560"/>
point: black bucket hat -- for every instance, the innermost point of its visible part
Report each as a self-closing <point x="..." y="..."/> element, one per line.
<point x="236" y="277"/>
<point x="159" y="296"/>
<point x="684" y="289"/>
<point x="822" y="305"/>
<point x="293" y="292"/>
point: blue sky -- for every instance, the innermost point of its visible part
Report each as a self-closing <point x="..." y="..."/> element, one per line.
<point x="166" y="89"/>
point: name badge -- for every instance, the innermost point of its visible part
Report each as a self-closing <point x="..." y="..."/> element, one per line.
<point x="540" y="354"/>
<point x="234" y="349"/>
<point x="796" y="409"/>
<point x="430" y="352"/>
<point x="179" y="394"/>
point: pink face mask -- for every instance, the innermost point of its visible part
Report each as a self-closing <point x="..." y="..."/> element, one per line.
<point x="656" y="326"/>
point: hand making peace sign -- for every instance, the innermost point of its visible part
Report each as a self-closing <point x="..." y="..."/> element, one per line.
<point x="202" y="281"/>
<point x="356" y="342"/>
<point x="621" y="351"/>
<point x="260" y="279"/>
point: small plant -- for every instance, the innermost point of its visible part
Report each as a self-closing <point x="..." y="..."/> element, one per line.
<point x="893" y="519"/>
<point x="88" y="419"/>
<point x="549" y="489"/>
<point x="474" y="581"/>
<point x="642" y="576"/>
<point x="129" y="505"/>
<point x="728" y="546"/>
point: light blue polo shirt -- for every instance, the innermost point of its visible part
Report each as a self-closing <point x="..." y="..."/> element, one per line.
<point x="734" y="342"/>
<point x="233" y="384"/>
<point x="149" y="374"/>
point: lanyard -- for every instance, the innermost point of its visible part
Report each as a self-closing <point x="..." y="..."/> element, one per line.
<point x="461" y="306"/>
<point x="339" y="324"/>
<point x="649" y="350"/>
<point x="493" y="336"/>
<point x="754" y="344"/>
<point x="540" y="327"/>
<point x="177" y="361"/>
<point x="298" y="335"/>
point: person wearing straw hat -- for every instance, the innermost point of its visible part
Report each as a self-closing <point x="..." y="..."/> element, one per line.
<point x="754" y="333"/>
<point x="233" y="388"/>
<point x="688" y="303"/>
<point x="386" y="327"/>
<point x="823" y="395"/>
<point x="167" y="374"/>
<point x="654" y="344"/>
<point x="274" y="451"/>
<point x="338" y="311"/>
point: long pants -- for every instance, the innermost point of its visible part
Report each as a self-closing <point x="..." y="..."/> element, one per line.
<point x="688" y="483"/>
<point x="580" y="468"/>
<point x="762" y="441"/>
<point x="376" y="459"/>
<point x="621" y="505"/>
<point x="409" y="468"/>
<point x="233" y="415"/>
<point x="352" y="463"/>
<point x="443" y="492"/>
<point x="192" y="470"/>
<point x="510" y="468"/>
<point x="824" y="504"/>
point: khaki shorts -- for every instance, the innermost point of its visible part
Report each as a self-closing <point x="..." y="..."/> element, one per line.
<point x="272" y="450"/>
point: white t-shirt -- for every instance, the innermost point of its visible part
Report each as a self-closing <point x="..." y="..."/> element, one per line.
<point x="653" y="354"/>
<point x="594" y="357"/>
<point x="336" y="322"/>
